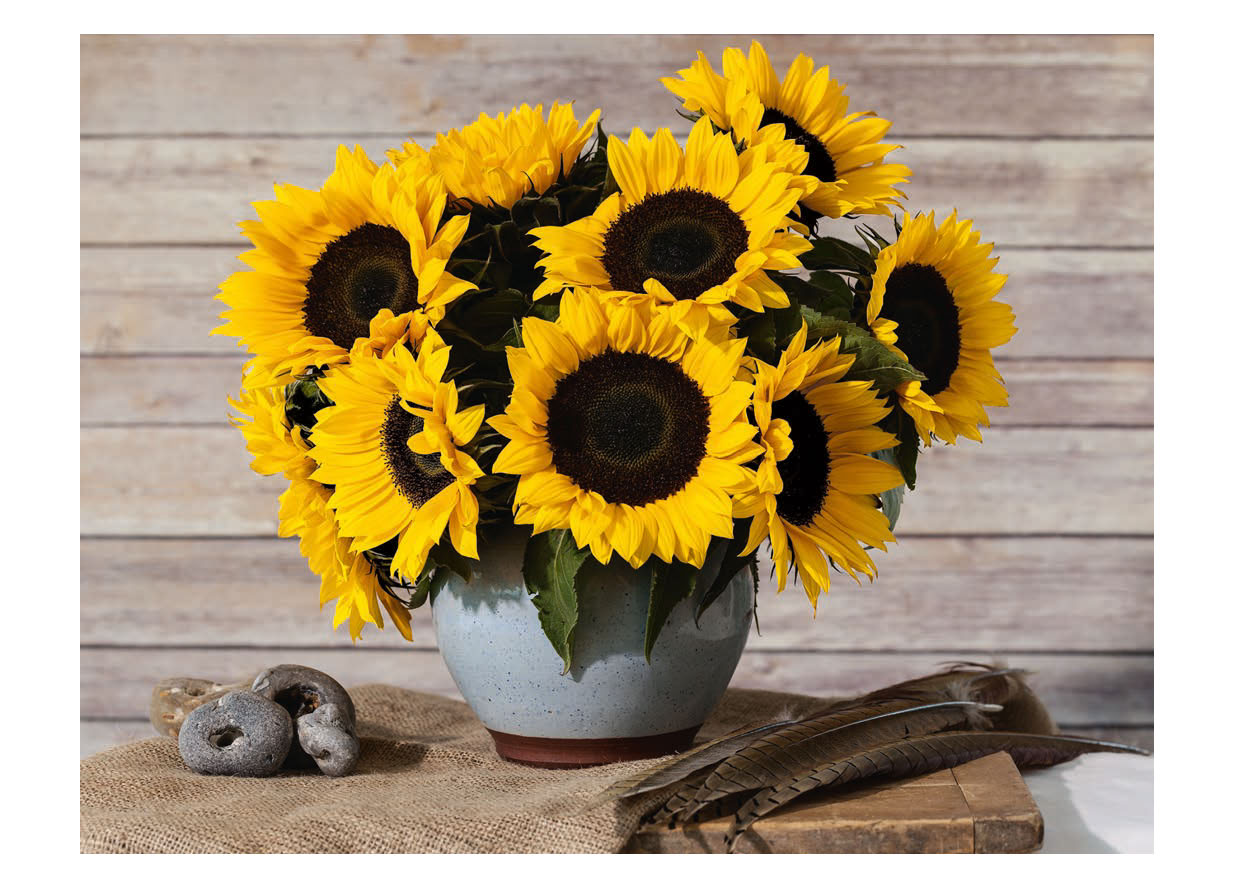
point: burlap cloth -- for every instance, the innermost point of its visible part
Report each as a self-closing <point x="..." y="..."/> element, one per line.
<point x="428" y="780"/>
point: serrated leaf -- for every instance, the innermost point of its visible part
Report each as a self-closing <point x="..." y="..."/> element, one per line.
<point x="760" y="331"/>
<point x="825" y="294"/>
<point x="829" y="253"/>
<point x="485" y="317"/>
<point x="908" y="449"/>
<point x="535" y="211"/>
<point x="872" y="360"/>
<point x="549" y="568"/>
<point x="732" y="563"/>
<point x="447" y="556"/>
<point x="890" y="501"/>
<point x="670" y="584"/>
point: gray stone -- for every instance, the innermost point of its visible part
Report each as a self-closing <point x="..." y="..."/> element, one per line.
<point x="301" y="690"/>
<point x="327" y="736"/>
<point x="241" y="733"/>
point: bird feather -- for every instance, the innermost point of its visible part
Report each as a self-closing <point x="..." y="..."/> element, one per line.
<point x="815" y="742"/>
<point x="918" y="755"/>
<point x="672" y="770"/>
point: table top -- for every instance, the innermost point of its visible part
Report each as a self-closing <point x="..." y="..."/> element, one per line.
<point x="1098" y="804"/>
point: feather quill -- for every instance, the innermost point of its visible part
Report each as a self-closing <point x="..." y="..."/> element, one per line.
<point x="815" y="742"/>
<point x="919" y="755"/>
<point x="672" y="770"/>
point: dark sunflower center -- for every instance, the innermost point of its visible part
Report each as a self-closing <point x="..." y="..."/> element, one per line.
<point x="685" y="238"/>
<point x="805" y="472"/>
<point x="418" y="477"/>
<point x="919" y="301"/>
<point x="629" y="426"/>
<point x="356" y="277"/>
<point x="820" y="163"/>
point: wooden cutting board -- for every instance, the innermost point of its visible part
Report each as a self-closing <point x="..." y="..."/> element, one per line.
<point x="982" y="807"/>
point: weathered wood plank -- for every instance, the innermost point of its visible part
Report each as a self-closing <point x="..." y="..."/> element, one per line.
<point x="1037" y="594"/>
<point x="1086" y="689"/>
<point x="1069" y="303"/>
<point x="927" y="84"/>
<point x="192" y="390"/>
<point x="1038" y="193"/>
<point x="981" y="807"/>
<point x="177" y="481"/>
<point x="96" y="735"/>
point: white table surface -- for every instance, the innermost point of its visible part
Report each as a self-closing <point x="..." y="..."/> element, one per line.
<point x="1097" y="804"/>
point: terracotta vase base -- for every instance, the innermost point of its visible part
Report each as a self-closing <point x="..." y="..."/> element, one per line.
<point x="544" y="752"/>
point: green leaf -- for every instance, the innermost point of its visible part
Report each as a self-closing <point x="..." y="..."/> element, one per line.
<point x="509" y="240"/>
<point x="890" y="501"/>
<point x="908" y="449"/>
<point x="447" y="556"/>
<point x="732" y="563"/>
<point x="872" y="360"/>
<point x="760" y="330"/>
<point x="786" y="321"/>
<point x="549" y="568"/>
<point x="829" y="253"/>
<point x="670" y="584"/>
<point x="485" y="317"/>
<point x="536" y="211"/>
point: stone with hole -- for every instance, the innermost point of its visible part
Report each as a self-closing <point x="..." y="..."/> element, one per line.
<point x="301" y="690"/>
<point x="241" y="734"/>
<point x="327" y="735"/>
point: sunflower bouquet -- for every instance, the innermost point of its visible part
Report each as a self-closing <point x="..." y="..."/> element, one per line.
<point x="636" y="350"/>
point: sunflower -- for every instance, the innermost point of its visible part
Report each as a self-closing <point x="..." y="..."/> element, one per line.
<point x="347" y="577"/>
<point x="498" y="160"/>
<point x="344" y="263"/>
<point x="807" y="113"/>
<point x="627" y="432"/>
<point x="705" y="224"/>
<point x="812" y="494"/>
<point x="932" y="302"/>
<point x="391" y="447"/>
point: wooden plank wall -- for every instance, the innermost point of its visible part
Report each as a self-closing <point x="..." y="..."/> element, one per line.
<point x="1035" y="548"/>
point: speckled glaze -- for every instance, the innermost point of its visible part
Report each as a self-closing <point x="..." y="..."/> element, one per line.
<point x="509" y="674"/>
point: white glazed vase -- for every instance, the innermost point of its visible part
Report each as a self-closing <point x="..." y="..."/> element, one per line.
<point x="612" y="705"/>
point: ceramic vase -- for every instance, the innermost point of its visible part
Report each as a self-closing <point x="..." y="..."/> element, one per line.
<point x="612" y="704"/>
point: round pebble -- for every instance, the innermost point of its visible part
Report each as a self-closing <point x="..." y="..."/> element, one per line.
<point x="240" y="734"/>
<point x="327" y="736"/>
<point x="301" y="690"/>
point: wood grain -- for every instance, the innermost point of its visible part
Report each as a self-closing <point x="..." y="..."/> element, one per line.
<point x="193" y="390"/>
<point x="178" y="481"/>
<point x="933" y="593"/>
<point x="1036" y="546"/>
<point x="1069" y="303"/>
<point x="1020" y="193"/>
<point x="998" y="85"/>
<point x="981" y="807"/>
<point x="116" y="682"/>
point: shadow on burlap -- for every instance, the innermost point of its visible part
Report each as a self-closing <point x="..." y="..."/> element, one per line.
<point x="428" y="780"/>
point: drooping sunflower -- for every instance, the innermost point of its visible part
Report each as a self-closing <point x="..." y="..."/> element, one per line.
<point x="933" y="302"/>
<point x="629" y="433"/>
<point x="840" y="151"/>
<point x="343" y="263"/>
<point x="345" y="576"/>
<point x="813" y="491"/>
<point x="498" y="160"/>
<point x="705" y="224"/>
<point x="391" y="445"/>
